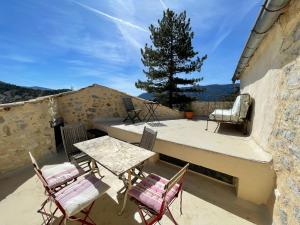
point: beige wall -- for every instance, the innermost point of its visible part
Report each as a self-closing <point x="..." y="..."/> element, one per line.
<point x="273" y="80"/>
<point x="255" y="179"/>
<point x="25" y="126"/>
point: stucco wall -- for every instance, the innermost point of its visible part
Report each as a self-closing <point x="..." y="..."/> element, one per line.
<point x="24" y="126"/>
<point x="273" y="80"/>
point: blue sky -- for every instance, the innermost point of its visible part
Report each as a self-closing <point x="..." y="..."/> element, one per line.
<point x="64" y="43"/>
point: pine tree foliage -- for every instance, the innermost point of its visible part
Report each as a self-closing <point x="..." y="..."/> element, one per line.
<point x="170" y="56"/>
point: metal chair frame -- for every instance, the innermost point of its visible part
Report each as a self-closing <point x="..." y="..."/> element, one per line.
<point x="243" y="121"/>
<point x="48" y="216"/>
<point x="147" y="142"/>
<point x="132" y="113"/>
<point x="144" y="211"/>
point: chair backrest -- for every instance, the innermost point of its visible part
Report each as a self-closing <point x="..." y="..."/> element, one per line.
<point x="128" y="104"/>
<point x="39" y="172"/>
<point x="241" y="106"/>
<point x="148" y="139"/>
<point x="72" y="134"/>
<point x="34" y="163"/>
<point x="176" y="179"/>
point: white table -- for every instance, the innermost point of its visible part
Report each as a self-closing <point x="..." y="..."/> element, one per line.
<point x="115" y="155"/>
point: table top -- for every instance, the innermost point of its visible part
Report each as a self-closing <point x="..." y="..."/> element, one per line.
<point x="152" y="103"/>
<point x="115" y="155"/>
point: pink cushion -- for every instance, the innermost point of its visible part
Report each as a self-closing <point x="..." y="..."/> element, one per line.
<point x="80" y="194"/>
<point x="150" y="190"/>
<point x="61" y="173"/>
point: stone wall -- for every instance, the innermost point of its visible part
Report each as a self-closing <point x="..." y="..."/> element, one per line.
<point x="102" y="102"/>
<point x="205" y="108"/>
<point x="273" y="80"/>
<point x="285" y="146"/>
<point x="25" y="125"/>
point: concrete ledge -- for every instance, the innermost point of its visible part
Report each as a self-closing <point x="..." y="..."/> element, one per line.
<point x="236" y="156"/>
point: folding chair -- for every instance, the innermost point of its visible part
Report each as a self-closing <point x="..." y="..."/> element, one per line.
<point x="147" y="142"/>
<point x="56" y="177"/>
<point x="72" y="134"/>
<point x="76" y="197"/>
<point x="154" y="195"/>
<point x="132" y="113"/>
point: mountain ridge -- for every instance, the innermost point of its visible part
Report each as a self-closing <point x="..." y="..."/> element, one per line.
<point x="13" y="93"/>
<point x="212" y="92"/>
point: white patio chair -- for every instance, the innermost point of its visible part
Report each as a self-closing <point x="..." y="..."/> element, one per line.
<point x="236" y="115"/>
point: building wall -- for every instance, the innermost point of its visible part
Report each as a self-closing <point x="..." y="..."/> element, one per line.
<point x="273" y="80"/>
<point x="24" y="126"/>
<point x="102" y="102"/>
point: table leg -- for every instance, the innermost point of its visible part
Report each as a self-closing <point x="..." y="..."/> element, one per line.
<point x="96" y="168"/>
<point x="126" y="193"/>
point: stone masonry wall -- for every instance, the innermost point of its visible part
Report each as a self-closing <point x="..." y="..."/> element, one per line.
<point x="285" y="146"/>
<point x="102" y="102"/>
<point x="205" y="108"/>
<point x="24" y="126"/>
<point x="273" y="80"/>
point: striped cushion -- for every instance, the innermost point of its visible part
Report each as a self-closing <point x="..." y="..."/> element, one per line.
<point x="80" y="194"/>
<point x="149" y="192"/>
<point x="61" y="173"/>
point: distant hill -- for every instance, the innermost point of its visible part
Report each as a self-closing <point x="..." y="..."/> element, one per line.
<point x="13" y="93"/>
<point x="40" y="88"/>
<point x="209" y="93"/>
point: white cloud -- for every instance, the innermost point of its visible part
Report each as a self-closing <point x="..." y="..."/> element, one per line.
<point x="18" y="58"/>
<point x="163" y="4"/>
<point x="114" y="19"/>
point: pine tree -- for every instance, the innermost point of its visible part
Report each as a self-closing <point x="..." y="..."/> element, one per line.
<point x="170" y="56"/>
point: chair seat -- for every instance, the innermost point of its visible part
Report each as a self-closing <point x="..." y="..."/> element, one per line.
<point x="224" y="115"/>
<point x="150" y="191"/>
<point x="57" y="175"/>
<point x="80" y="194"/>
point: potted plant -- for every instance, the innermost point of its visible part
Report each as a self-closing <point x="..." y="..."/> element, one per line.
<point x="188" y="111"/>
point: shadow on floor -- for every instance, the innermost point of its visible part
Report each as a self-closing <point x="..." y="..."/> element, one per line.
<point x="17" y="178"/>
<point x="218" y="194"/>
<point x="105" y="211"/>
<point x="222" y="128"/>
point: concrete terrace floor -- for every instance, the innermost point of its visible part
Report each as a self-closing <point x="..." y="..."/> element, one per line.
<point x="205" y="201"/>
<point x="227" y="140"/>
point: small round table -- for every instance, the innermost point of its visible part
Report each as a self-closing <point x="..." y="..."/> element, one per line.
<point x="151" y="107"/>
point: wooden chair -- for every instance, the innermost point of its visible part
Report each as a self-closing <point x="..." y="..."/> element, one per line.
<point x="72" y="134"/>
<point x="148" y="139"/>
<point x="76" y="197"/>
<point x="55" y="177"/>
<point x="147" y="142"/>
<point x="132" y="113"/>
<point x="154" y="195"/>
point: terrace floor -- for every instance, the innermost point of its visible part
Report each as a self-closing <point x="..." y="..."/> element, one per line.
<point x="227" y="139"/>
<point x="205" y="201"/>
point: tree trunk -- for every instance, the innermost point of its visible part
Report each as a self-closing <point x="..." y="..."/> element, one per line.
<point x="171" y="99"/>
